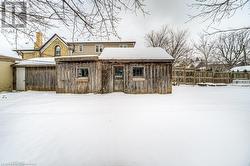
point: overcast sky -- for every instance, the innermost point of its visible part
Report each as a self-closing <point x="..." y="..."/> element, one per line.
<point x="163" y="12"/>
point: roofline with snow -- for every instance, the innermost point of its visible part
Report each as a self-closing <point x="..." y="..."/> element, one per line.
<point x="137" y="60"/>
<point x="86" y="42"/>
<point x="39" y="49"/>
<point x="8" y="57"/>
<point x="35" y="65"/>
<point x="77" y="58"/>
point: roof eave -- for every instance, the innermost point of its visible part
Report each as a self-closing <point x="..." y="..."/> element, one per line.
<point x="139" y="60"/>
<point x="72" y="59"/>
<point x="35" y="65"/>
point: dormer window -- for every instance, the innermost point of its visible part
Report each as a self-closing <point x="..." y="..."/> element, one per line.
<point x="57" y="51"/>
<point x="99" y="48"/>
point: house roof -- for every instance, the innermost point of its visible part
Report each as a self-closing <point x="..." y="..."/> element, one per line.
<point x="107" y="41"/>
<point x="45" y="45"/>
<point x="67" y="43"/>
<point x="149" y="53"/>
<point x="240" y="68"/>
<point x="41" y="61"/>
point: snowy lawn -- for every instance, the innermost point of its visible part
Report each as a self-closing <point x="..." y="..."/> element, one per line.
<point x="195" y="126"/>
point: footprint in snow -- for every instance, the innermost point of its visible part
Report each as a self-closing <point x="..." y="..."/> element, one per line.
<point x="4" y="97"/>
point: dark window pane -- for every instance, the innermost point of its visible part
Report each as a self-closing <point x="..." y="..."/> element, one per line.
<point x="119" y="71"/>
<point x="57" y="51"/>
<point x="138" y="71"/>
<point x="83" y="72"/>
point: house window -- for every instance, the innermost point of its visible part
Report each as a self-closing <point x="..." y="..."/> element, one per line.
<point x="138" y="71"/>
<point x="57" y="51"/>
<point x="123" y="45"/>
<point x="83" y="72"/>
<point x="81" y="48"/>
<point x="118" y="72"/>
<point x="99" y="48"/>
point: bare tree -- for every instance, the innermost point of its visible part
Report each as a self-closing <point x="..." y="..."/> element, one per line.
<point x="233" y="48"/>
<point x="205" y="47"/>
<point x="173" y="41"/>
<point x="94" y="17"/>
<point x="218" y="10"/>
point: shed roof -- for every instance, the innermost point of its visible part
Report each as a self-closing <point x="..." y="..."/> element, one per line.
<point x="77" y="58"/>
<point x="41" y="61"/>
<point x="149" y="53"/>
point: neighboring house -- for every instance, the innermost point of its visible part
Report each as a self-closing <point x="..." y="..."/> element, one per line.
<point x="94" y="67"/>
<point x="56" y="46"/>
<point x="7" y="58"/>
<point x="241" y="69"/>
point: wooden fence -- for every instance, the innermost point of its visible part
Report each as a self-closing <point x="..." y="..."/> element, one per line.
<point x="192" y="76"/>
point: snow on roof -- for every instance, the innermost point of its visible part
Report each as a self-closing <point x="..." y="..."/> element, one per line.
<point x="76" y="56"/>
<point x="6" y="49"/>
<point x="241" y="68"/>
<point x="105" y="41"/>
<point x="149" y="53"/>
<point x="42" y="61"/>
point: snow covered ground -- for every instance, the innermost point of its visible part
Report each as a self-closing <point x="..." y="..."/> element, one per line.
<point x="194" y="126"/>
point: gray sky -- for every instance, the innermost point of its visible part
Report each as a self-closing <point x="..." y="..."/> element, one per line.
<point x="162" y="12"/>
<point x="173" y="13"/>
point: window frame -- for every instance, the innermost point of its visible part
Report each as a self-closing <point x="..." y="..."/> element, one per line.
<point x="82" y="68"/>
<point x="118" y="76"/>
<point x="55" y="50"/>
<point x="143" y="71"/>
<point x="123" y="46"/>
<point x="100" y="47"/>
<point x="81" y="48"/>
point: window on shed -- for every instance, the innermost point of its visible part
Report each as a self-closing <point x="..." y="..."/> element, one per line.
<point x="57" y="51"/>
<point x="99" y="48"/>
<point x="83" y="72"/>
<point x="118" y="71"/>
<point x="138" y="71"/>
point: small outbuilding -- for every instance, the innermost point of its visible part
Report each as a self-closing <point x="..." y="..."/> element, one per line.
<point x="129" y="70"/>
<point x="36" y="74"/>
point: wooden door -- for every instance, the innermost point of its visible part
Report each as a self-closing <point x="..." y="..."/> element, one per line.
<point x="118" y="78"/>
<point x="20" y="79"/>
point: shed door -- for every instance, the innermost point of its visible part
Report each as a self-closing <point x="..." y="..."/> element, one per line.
<point x="20" y="79"/>
<point x="118" y="78"/>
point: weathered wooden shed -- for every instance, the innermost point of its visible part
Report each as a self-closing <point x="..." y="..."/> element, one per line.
<point x="78" y="74"/>
<point x="136" y="70"/>
<point x="36" y="74"/>
<point x="129" y="70"/>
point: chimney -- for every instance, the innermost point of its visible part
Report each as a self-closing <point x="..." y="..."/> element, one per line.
<point x="39" y="40"/>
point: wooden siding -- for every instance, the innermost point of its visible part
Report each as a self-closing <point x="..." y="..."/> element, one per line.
<point x="40" y="78"/>
<point x="157" y="78"/>
<point x="101" y="78"/>
<point x="68" y="82"/>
